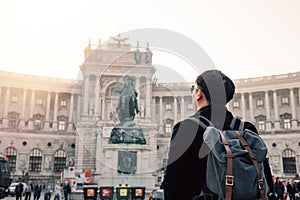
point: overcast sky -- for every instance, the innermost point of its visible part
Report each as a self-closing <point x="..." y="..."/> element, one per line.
<point x="243" y="38"/>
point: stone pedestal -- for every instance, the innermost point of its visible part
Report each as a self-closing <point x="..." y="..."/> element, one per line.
<point x="128" y="163"/>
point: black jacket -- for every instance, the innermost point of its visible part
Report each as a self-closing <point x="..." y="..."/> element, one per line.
<point x="186" y="171"/>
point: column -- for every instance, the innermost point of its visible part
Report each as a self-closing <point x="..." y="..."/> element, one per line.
<point x="137" y="87"/>
<point x="276" y="115"/>
<point x="97" y="92"/>
<point x="54" y="126"/>
<point x="175" y="110"/>
<point x="86" y="95"/>
<point x="22" y="117"/>
<point x="32" y="101"/>
<point x="268" y="115"/>
<point x="182" y="108"/>
<point x="293" y="109"/>
<point x="251" y="107"/>
<point x="243" y="106"/>
<point x="148" y="98"/>
<point x="160" y="111"/>
<point x="70" y="123"/>
<point x="153" y="109"/>
<point x="6" y="105"/>
<point x="103" y="107"/>
<point x="298" y="95"/>
<point x="78" y="107"/>
<point x="0" y="96"/>
<point x="47" y="120"/>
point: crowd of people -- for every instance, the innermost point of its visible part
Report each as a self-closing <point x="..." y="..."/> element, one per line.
<point x="58" y="191"/>
<point x="284" y="190"/>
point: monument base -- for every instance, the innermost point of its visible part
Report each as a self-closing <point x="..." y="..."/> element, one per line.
<point x="127" y="135"/>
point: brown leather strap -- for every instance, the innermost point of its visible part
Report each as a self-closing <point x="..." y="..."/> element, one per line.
<point x="259" y="176"/>
<point x="229" y="175"/>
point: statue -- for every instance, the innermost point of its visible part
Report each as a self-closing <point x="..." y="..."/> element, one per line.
<point x="127" y="131"/>
<point x="138" y="57"/>
<point x="119" y="40"/>
<point x="127" y="105"/>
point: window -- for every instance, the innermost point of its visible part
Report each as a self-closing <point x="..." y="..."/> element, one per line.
<point x="289" y="161"/>
<point x="13" y="119"/>
<point x="14" y="99"/>
<point x="38" y="121"/>
<point x="35" y="160"/>
<point x="287" y="124"/>
<point x="63" y="103"/>
<point x="39" y="102"/>
<point x="168" y="128"/>
<point x="61" y="125"/>
<point x="37" y="124"/>
<point x="190" y="106"/>
<point x="168" y="106"/>
<point x="12" y="157"/>
<point x="285" y="100"/>
<point x="236" y="104"/>
<point x="259" y="103"/>
<point x="59" y="161"/>
<point x="261" y="125"/>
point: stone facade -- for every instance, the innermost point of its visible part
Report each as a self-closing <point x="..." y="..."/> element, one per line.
<point x="47" y="124"/>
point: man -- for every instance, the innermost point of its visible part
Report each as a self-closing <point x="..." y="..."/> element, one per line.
<point x="67" y="190"/>
<point x="185" y="175"/>
<point x="37" y="191"/>
<point x="19" y="191"/>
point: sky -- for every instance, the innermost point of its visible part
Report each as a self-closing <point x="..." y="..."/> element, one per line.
<point x="243" y="38"/>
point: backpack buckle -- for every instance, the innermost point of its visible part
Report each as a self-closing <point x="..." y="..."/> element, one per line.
<point x="229" y="180"/>
<point x="260" y="184"/>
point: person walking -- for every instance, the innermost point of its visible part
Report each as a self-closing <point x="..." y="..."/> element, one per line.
<point x="19" y="190"/>
<point x="28" y="190"/>
<point x="48" y="190"/>
<point x="37" y="189"/>
<point x="67" y="190"/>
<point x="185" y="175"/>
<point x="291" y="189"/>
<point x="57" y="190"/>
<point x="279" y="189"/>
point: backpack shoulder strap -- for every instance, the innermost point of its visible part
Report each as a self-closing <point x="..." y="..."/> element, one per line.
<point x="255" y="163"/>
<point x="237" y="124"/>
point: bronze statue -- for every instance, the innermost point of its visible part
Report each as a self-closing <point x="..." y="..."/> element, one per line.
<point x="127" y="105"/>
<point x="127" y="131"/>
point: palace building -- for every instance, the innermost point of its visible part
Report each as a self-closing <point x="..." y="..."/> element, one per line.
<point x="50" y="124"/>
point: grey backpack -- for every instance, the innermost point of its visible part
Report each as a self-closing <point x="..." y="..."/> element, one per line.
<point x="235" y="162"/>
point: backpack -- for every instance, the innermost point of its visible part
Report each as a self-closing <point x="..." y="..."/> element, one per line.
<point x="234" y="161"/>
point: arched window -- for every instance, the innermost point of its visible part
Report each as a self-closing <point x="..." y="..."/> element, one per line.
<point x="35" y="160"/>
<point x="12" y="157"/>
<point x="60" y="159"/>
<point x="289" y="161"/>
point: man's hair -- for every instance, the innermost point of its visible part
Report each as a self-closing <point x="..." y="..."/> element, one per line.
<point x="213" y="83"/>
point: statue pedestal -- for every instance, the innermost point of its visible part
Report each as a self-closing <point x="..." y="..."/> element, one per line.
<point x="127" y="135"/>
<point x="128" y="161"/>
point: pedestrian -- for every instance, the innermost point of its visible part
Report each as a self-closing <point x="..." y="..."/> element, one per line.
<point x="28" y="190"/>
<point x="291" y="189"/>
<point x="185" y="175"/>
<point x="57" y="190"/>
<point x="19" y="190"/>
<point x="67" y="190"/>
<point x="48" y="190"/>
<point x="37" y="191"/>
<point x="279" y="189"/>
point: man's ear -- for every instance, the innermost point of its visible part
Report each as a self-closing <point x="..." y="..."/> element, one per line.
<point x="199" y="95"/>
